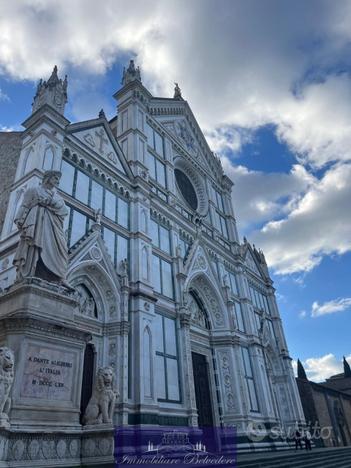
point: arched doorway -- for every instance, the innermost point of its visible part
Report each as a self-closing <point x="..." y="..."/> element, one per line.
<point x="201" y="359"/>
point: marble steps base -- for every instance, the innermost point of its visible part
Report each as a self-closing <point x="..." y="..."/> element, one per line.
<point x="318" y="458"/>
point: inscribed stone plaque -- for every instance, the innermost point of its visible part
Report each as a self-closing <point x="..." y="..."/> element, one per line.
<point x="48" y="373"/>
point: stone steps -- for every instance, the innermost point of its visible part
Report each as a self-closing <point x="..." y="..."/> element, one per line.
<point x="317" y="458"/>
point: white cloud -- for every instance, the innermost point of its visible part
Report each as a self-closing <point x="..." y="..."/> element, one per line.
<point x="302" y="314"/>
<point x="318" y="225"/>
<point x="258" y="197"/>
<point x="4" y="128"/>
<point x="321" y="368"/>
<point x="240" y="65"/>
<point x="227" y="139"/>
<point x="331" y="307"/>
<point x="3" y="96"/>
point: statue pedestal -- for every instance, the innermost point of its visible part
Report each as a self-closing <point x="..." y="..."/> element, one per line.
<point x="37" y="323"/>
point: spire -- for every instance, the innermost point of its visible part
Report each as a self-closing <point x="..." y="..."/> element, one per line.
<point x="301" y="373"/>
<point x="52" y="92"/>
<point x="177" y="93"/>
<point x="347" y="369"/>
<point x="131" y="74"/>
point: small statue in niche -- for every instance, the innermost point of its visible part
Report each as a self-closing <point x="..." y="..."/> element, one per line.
<point x="42" y="249"/>
<point x="90" y="307"/>
<point x="86" y="303"/>
<point x="124" y="267"/>
<point x="179" y="251"/>
<point x="97" y="216"/>
<point x="102" y="402"/>
<point x="6" y="380"/>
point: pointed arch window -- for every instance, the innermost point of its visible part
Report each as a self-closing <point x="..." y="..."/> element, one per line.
<point x="27" y="161"/>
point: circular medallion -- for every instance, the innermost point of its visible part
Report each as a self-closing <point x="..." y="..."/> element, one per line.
<point x="95" y="253"/>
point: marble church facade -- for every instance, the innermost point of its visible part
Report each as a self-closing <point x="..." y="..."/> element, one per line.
<point x="162" y="290"/>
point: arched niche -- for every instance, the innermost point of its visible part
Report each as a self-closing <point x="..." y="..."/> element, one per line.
<point x="48" y="160"/>
<point x="28" y="162"/>
<point x="207" y="292"/>
<point x="143" y="221"/>
<point x="103" y="290"/>
<point x="197" y="309"/>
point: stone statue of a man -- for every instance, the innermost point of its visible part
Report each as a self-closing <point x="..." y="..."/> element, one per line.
<point x="42" y="249"/>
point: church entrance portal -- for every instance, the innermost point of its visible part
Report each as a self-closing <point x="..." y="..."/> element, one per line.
<point x="202" y="390"/>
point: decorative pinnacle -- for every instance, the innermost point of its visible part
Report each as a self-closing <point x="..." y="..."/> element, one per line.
<point x="131" y="74"/>
<point x="52" y="92"/>
<point x="102" y="114"/>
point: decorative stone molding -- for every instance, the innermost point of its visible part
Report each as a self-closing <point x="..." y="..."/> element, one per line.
<point x="225" y="367"/>
<point x="95" y="253"/>
<point x="7" y="362"/>
<point x="41" y="449"/>
<point x="23" y="323"/>
<point x="206" y="291"/>
<point x="200" y="263"/>
<point x="197" y="181"/>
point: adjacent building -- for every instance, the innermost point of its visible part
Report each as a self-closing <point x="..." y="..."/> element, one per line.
<point x="327" y="407"/>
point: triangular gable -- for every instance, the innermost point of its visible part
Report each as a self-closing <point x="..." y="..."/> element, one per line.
<point x="97" y="137"/>
<point x="92" y="248"/>
<point x="198" y="261"/>
<point x="181" y="130"/>
<point x="251" y="262"/>
<point x="178" y="119"/>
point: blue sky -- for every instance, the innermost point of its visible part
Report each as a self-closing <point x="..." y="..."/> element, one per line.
<point x="269" y="83"/>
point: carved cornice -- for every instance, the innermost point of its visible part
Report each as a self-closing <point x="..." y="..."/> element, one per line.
<point x="117" y="328"/>
<point x="232" y="340"/>
<point x="26" y="322"/>
<point x="42" y="288"/>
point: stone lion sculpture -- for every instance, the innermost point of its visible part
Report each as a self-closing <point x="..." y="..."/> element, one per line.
<point x="102" y="402"/>
<point x="7" y="363"/>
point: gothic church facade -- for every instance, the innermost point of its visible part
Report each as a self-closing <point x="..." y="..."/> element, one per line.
<point x="170" y="298"/>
